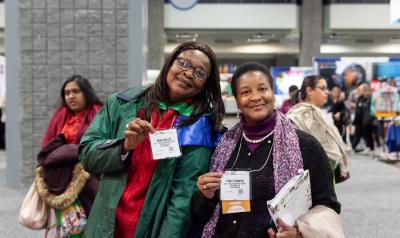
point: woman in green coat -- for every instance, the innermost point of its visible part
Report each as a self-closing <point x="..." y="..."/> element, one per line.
<point x="149" y="145"/>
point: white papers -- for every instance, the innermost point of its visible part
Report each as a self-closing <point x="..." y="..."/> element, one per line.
<point x="293" y="200"/>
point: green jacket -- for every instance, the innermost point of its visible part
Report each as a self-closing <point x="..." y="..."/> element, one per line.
<point x="166" y="210"/>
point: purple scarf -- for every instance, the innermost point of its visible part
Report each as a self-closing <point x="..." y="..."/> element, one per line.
<point x="286" y="155"/>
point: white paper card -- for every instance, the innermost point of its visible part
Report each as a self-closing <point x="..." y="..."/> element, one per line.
<point x="235" y="185"/>
<point x="164" y="144"/>
<point x="293" y="200"/>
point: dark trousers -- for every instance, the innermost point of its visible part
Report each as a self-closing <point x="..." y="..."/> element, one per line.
<point x="363" y="132"/>
<point x="342" y="130"/>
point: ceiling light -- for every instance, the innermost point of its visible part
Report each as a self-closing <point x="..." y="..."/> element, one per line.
<point x="262" y="36"/>
<point x="186" y="35"/>
<point x="256" y="40"/>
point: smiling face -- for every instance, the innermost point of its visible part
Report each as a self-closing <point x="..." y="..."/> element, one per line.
<point x="74" y="97"/>
<point x="182" y="80"/>
<point x="255" y="96"/>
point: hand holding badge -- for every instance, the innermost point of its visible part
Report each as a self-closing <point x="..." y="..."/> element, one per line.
<point x="135" y="132"/>
<point x="235" y="192"/>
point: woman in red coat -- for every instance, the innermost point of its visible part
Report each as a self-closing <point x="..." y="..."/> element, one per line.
<point x="61" y="180"/>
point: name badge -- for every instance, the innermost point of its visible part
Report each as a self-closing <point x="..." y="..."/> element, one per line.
<point x="164" y="144"/>
<point x="235" y="192"/>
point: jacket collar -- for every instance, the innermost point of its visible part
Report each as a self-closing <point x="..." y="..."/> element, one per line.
<point x="131" y="94"/>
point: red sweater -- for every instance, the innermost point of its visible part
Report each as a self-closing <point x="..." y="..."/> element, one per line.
<point x="140" y="172"/>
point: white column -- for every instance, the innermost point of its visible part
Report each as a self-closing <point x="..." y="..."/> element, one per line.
<point x="137" y="42"/>
<point x="12" y="52"/>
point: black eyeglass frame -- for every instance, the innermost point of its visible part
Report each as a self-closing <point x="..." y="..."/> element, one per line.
<point x="185" y="65"/>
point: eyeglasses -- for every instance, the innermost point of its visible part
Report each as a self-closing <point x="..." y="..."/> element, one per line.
<point x="323" y="88"/>
<point x="198" y="72"/>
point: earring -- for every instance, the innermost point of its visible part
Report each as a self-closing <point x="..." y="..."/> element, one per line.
<point x="238" y="114"/>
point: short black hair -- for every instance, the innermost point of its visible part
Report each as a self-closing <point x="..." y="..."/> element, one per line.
<point x="250" y="67"/>
<point x="293" y="88"/>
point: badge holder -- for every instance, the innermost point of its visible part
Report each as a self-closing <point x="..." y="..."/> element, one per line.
<point x="165" y="144"/>
<point x="235" y="191"/>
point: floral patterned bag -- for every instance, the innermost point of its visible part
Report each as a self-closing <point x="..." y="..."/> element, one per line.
<point x="71" y="221"/>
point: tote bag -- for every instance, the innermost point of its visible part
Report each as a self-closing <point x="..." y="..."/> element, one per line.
<point x="34" y="211"/>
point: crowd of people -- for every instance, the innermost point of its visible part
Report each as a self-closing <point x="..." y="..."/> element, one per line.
<point x="149" y="162"/>
<point x="360" y="112"/>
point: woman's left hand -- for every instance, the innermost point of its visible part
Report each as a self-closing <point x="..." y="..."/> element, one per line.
<point x="284" y="231"/>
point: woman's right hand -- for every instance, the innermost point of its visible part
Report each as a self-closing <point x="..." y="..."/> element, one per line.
<point x="337" y="116"/>
<point x="136" y="131"/>
<point x="208" y="183"/>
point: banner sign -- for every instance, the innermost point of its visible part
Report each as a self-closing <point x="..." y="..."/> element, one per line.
<point x="395" y="11"/>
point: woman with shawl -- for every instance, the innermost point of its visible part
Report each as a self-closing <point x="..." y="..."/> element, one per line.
<point x="266" y="145"/>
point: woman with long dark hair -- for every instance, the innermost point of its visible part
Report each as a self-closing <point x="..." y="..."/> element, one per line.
<point x="61" y="180"/>
<point x="140" y="195"/>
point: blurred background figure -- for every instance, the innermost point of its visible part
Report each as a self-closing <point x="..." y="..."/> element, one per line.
<point x="2" y="101"/>
<point x="292" y="100"/>
<point x="352" y="75"/>
<point x="333" y="81"/>
<point x="61" y="180"/>
<point x="341" y="116"/>
<point x="363" y="119"/>
<point x="308" y="116"/>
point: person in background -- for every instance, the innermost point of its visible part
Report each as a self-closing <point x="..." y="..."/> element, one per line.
<point x="363" y="119"/>
<point x="2" y="101"/>
<point x="333" y="81"/>
<point x="341" y="116"/>
<point x="265" y="143"/>
<point x="61" y="180"/>
<point x="352" y="76"/>
<point x="292" y="100"/>
<point x="138" y="195"/>
<point x="352" y="98"/>
<point x="308" y="117"/>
